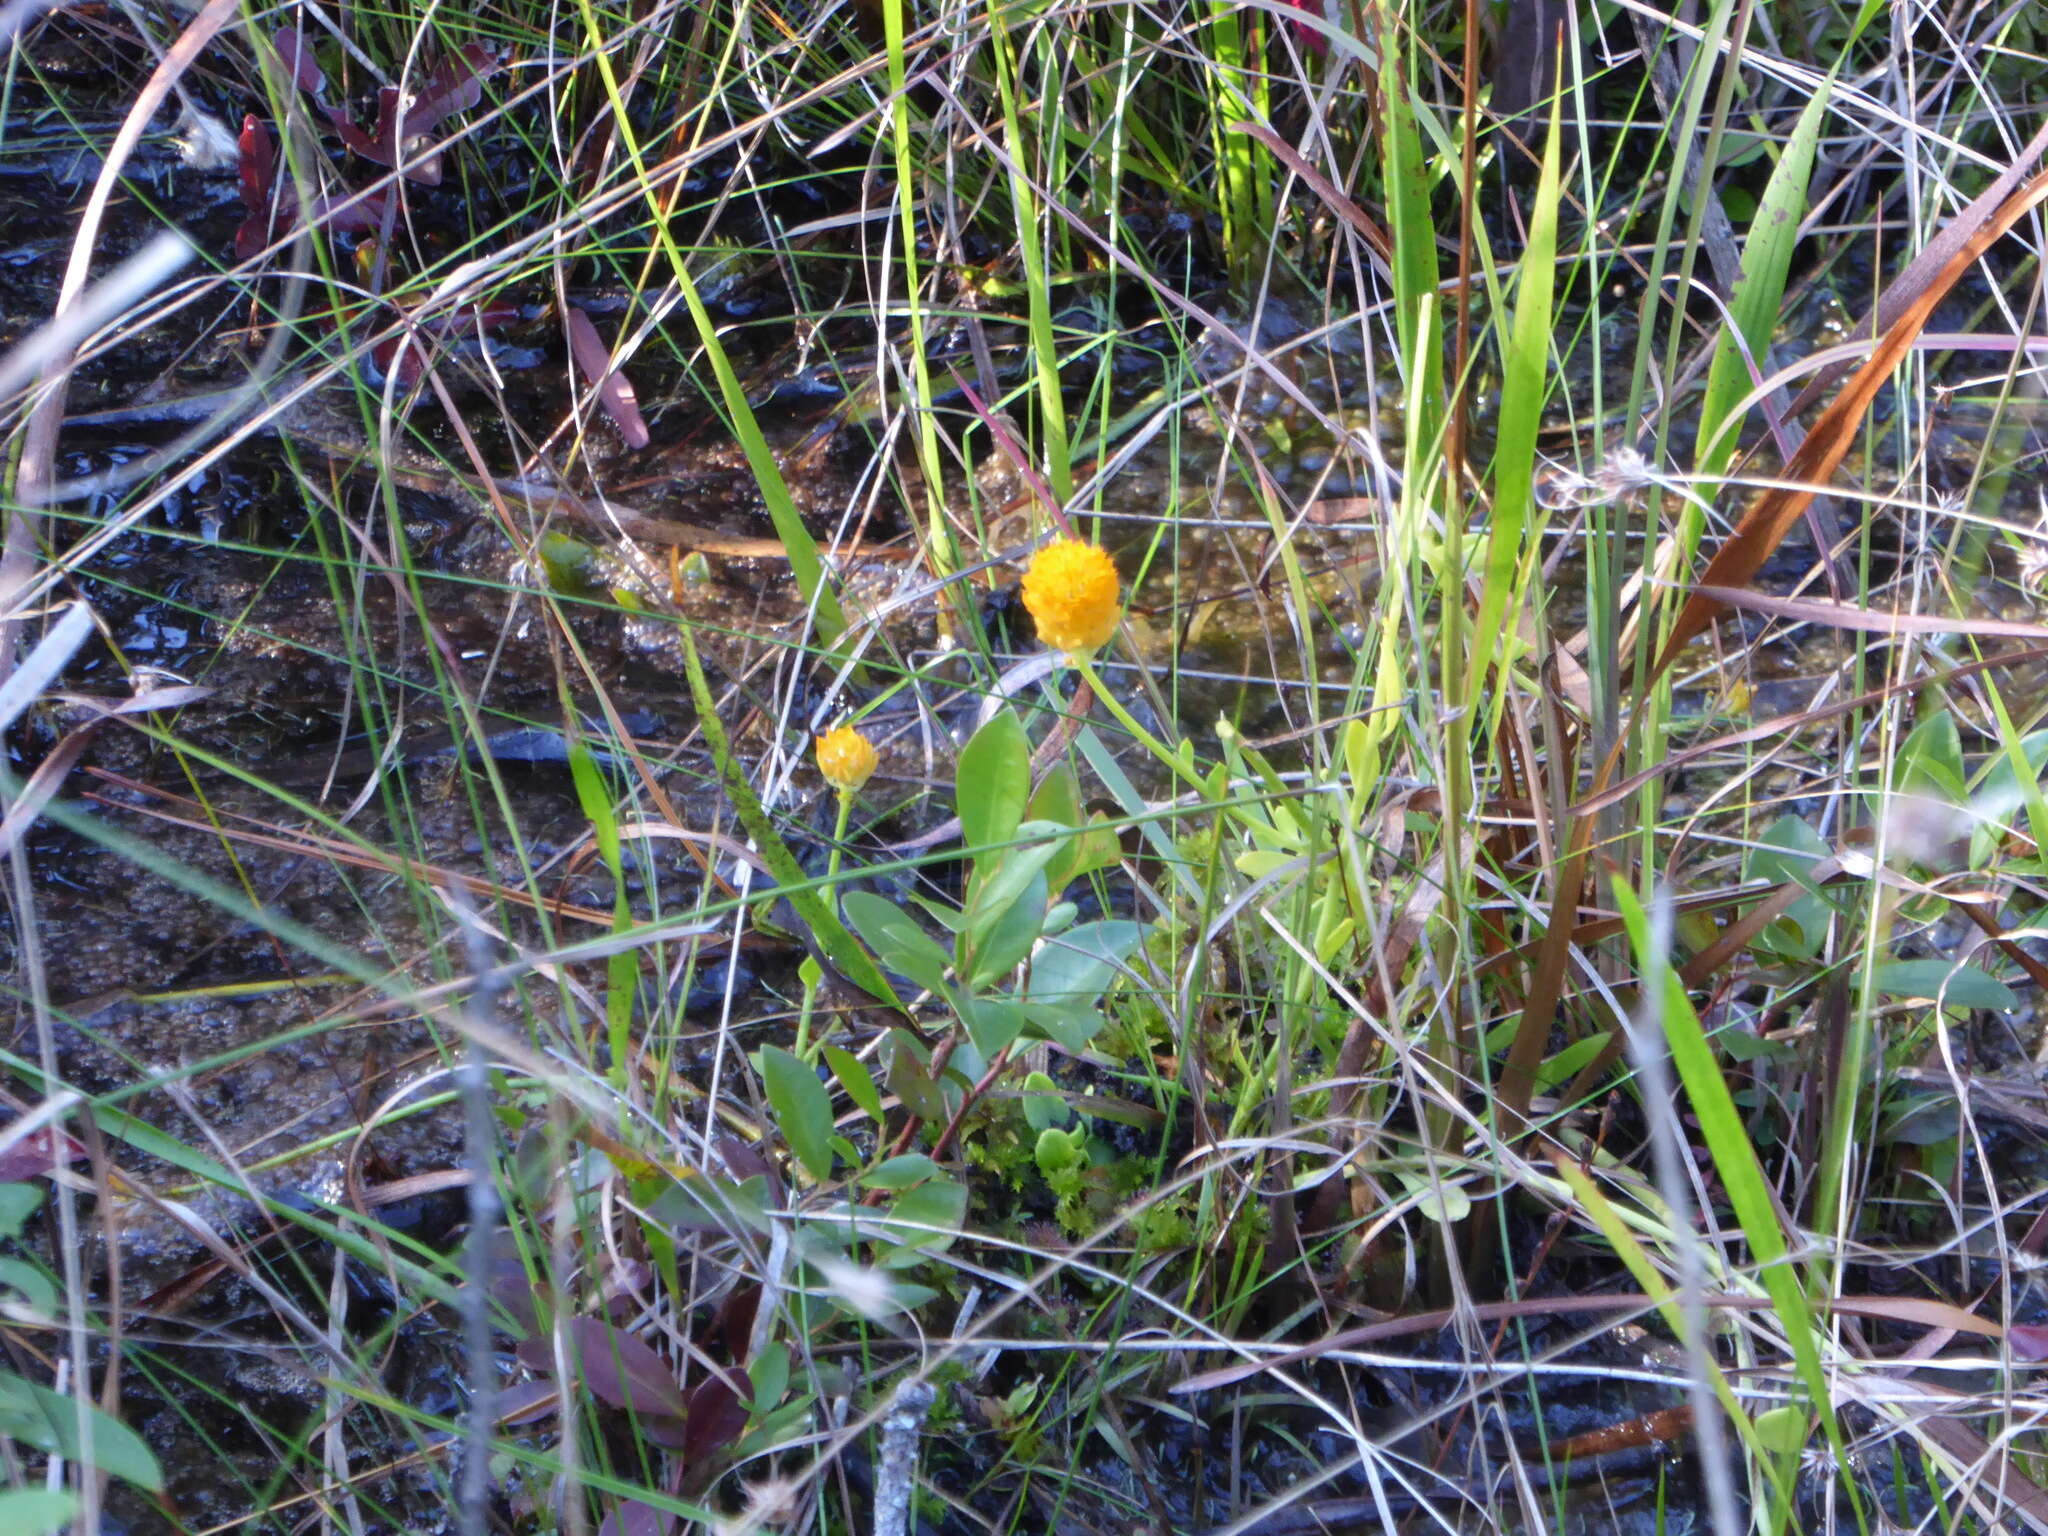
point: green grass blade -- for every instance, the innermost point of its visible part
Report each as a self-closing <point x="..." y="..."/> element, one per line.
<point x="1766" y="263"/>
<point x="1525" y="372"/>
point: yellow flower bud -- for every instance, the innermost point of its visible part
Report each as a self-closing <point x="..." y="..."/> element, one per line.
<point x="846" y="758"/>
<point x="1072" y="593"/>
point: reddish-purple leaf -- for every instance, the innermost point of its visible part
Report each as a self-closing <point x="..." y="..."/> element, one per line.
<point x="2029" y="1341"/>
<point x="370" y="149"/>
<point x="382" y="149"/>
<point x="258" y="164"/>
<point x="512" y="1288"/>
<point x="629" y="1517"/>
<point x="527" y="1402"/>
<point x="297" y="55"/>
<point x="1306" y="35"/>
<point x="718" y="1412"/>
<point x="251" y="235"/>
<point x="659" y="1429"/>
<point x="744" y="1160"/>
<point x="351" y="215"/>
<point x="735" y="1320"/>
<point x="456" y="85"/>
<point x="38" y="1153"/>
<point x="410" y="362"/>
<point x="614" y="391"/>
<point x="621" y="1370"/>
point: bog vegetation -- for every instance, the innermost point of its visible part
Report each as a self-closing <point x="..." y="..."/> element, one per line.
<point x="985" y="766"/>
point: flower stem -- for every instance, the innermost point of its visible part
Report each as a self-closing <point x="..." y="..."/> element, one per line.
<point x="1086" y="667"/>
<point x="831" y="893"/>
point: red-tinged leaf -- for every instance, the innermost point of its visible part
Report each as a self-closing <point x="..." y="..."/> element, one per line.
<point x="513" y="1289"/>
<point x="743" y="1160"/>
<point x="528" y="1402"/>
<point x="297" y="55"/>
<point x="718" y="1413"/>
<point x="621" y="1370"/>
<point x="2029" y="1341"/>
<point x="356" y="139"/>
<point x="37" y="1153"/>
<point x="258" y="164"/>
<point x="349" y="215"/>
<point x="252" y="235"/>
<point x="394" y="134"/>
<point x="410" y="363"/>
<point x="614" y="391"/>
<point x="389" y="100"/>
<point x="1308" y="36"/>
<point x="629" y="1517"/>
<point x="456" y="85"/>
<point x="735" y="1321"/>
<point x="659" y="1429"/>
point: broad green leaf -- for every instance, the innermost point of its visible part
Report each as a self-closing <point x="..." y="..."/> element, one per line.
<point x="1071" y="1027"/>
<point x="911" y="1082"/>
<point x="1957" y="986"/>
<point x="925" y="1219"/>
<point x="36" y="1288"/>
<point x="1930" y="759"/>
<point x="47" y="1420"/>
<point x="803" y="1109"/>
<point x="1565" y="1065"/>
<point x="900" y="1172"/>
<point x="702" y="1203"/>
<point x="856" y="1079"/>
<point x="18" y="1202"/>
<point x="1782" y="1431"/>
<point x="1045" y="1106"/>
<point x="1790" y="848"/>
<point x="1001" y="941"/>
<point x="595" y="798"/>
<point x="768" y="1373"/>
<point x="896" y="939"/>
<point x="992" y="782"/>
<point x="1078" y="966"/>
<point x="36" y="1511"/>
<point x="998" y="882"/>
<point x="992" y="1023"/>
<point x="1058" y="798"/>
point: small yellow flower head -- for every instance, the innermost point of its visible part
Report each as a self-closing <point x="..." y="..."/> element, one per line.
<point x="846" y="758"/>
<point x="1072" y="592"/>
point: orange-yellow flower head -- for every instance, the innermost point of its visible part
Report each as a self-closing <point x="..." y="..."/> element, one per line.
<point x="846" y="758"/>
<point x="1072" y="593"/>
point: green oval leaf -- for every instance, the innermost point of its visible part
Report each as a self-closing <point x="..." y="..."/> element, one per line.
<point x="48" y="1420"/>
<point x="993" y="781"/>
<point x="803" y="1109"/>
<point x="1958" y="986"/>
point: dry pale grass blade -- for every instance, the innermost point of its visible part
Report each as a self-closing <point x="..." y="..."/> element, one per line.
<point x="1833" y="615"/>
<point x="334" y="849"/>
<point x="1764" y="525"/>
<point x="1909" y="1311"/>
<point x="1375" y="237"/>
